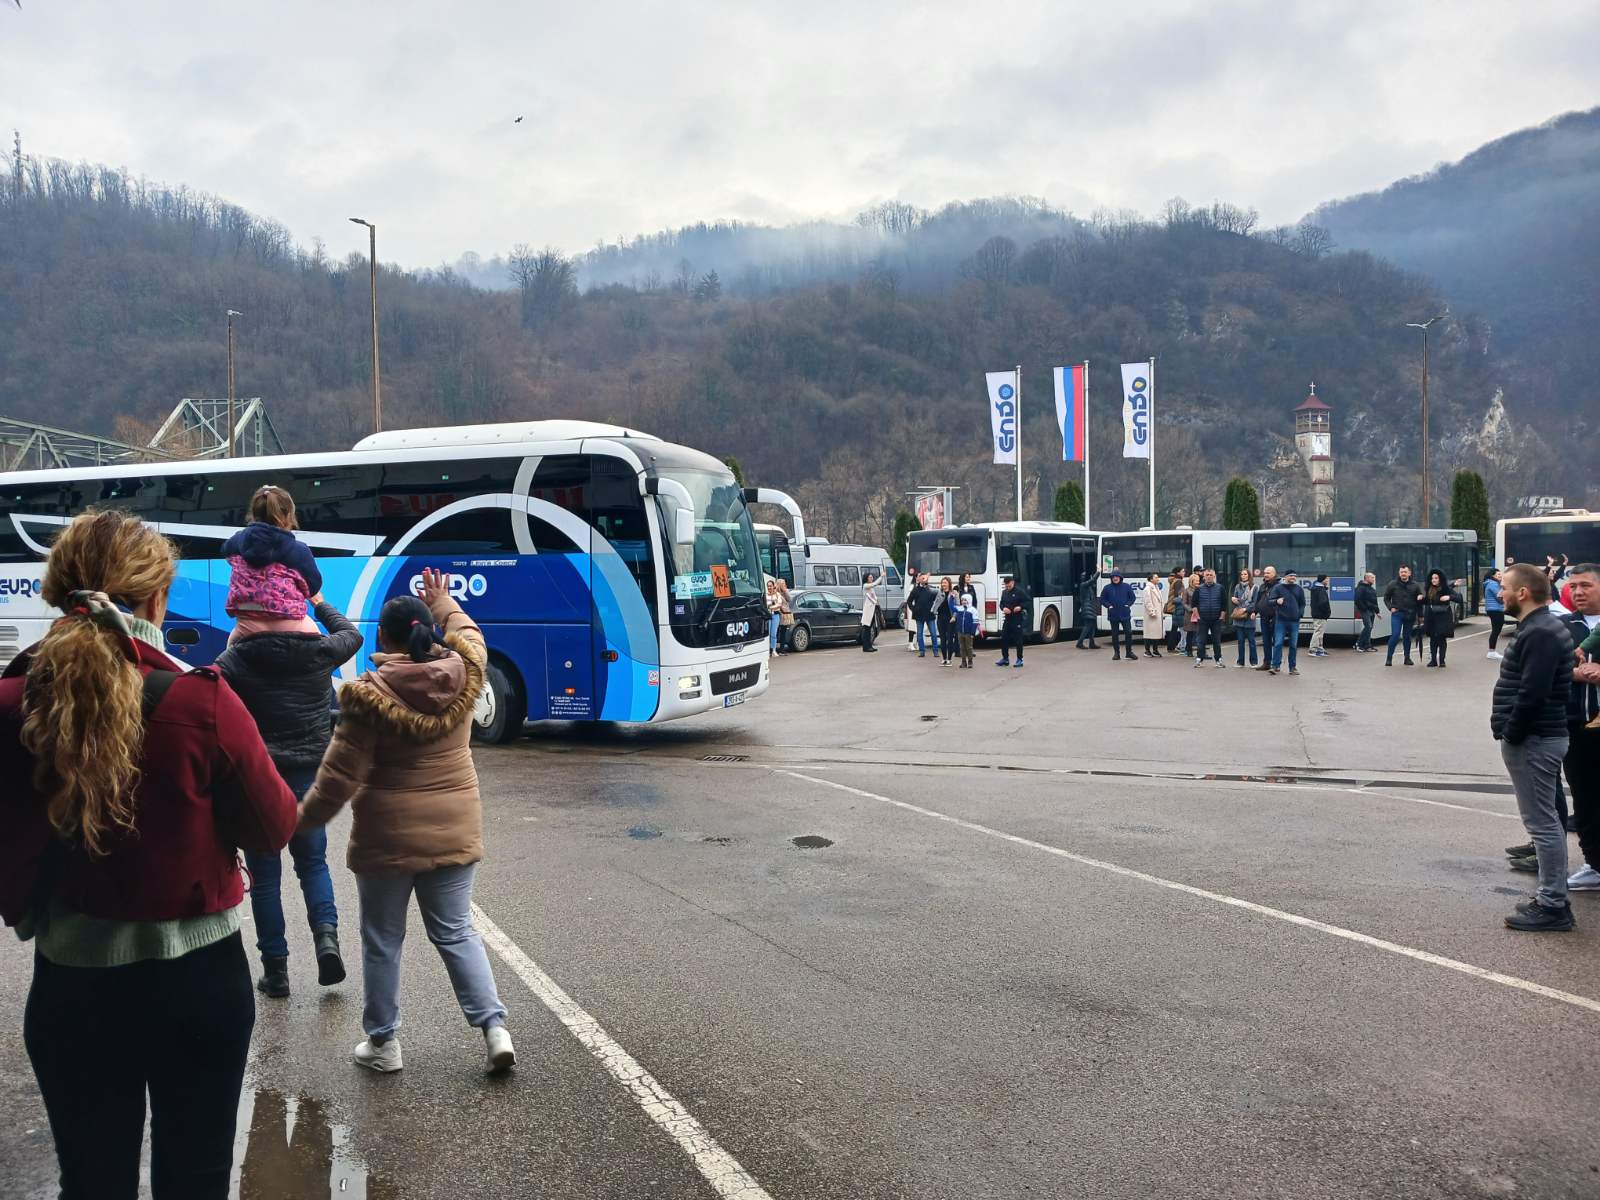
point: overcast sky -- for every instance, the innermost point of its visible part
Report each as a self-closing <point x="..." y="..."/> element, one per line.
<point x="647" y="115"/>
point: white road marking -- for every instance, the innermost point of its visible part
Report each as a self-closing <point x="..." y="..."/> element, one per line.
<point x="727" y="1178"/>
<point x="1482" y="812"/>
<point x="1277" y="914"/>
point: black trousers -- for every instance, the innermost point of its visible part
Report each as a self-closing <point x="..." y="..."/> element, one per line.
<point x="1268" y="629"/>
<point x="869" y="634"/>
<point x="1088" y="629"/>
<point x="1122" y="635"/>
<point x="1582" y="769"/>
<point x="98" y="1037"/>
<point x="1438" y="646"/>
<point x="1011" y="637"/>
<point x="1497" y="622"/>
<point x="1209" y="633"/>
<point x="947" y="640"/>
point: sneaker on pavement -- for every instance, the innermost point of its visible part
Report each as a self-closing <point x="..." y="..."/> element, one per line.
<point x="1528" y="865"/>
<point x="1523" y="851"/>
<point x="1019" y="664"/>
<point x="1584" y="879"/>
<point x="502" y="1054"/>
<point x="1494" y="654"/>
<point x="383" y="1059"/>
<point x="1540" y="918"/>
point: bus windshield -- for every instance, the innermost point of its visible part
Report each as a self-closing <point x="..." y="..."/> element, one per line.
<point x="715" y="584"/>
<point x="1536" y="541"/>
<point x="1308" y="554"/>
<point x="946" y="552"/>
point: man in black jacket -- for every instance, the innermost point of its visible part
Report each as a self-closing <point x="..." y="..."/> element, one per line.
<point x="1014" y="606"/>
<point x="1088" y="611"/>
<point x="1528" y="718"/>
<point x="1402" y="597"/>
<point x="1268" y="612"/>
<point x="921" y="604"/>
<point x="1367" y="610"/>
<point x="1210" y="602"/>
<point x="285" y="680"/>
<point x="1321" y="611"/>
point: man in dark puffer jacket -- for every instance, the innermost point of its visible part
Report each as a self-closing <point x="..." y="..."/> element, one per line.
<point x="1529" y="720"/>
<point x="285" y="680"/>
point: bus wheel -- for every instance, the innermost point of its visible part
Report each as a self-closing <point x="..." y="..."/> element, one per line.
<point x="800" y="639"/>
<point x="501" y="709"/>
<point x="1049" y="626"/>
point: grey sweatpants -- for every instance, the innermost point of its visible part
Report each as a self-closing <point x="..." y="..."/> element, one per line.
<point x="444" y="897"/>
<point x="1535" y="769"/>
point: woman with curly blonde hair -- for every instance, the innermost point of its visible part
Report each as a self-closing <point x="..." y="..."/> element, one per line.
<point x="131" y="783"/>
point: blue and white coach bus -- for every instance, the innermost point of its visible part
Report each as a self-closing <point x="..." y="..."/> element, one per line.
<point x="615" y="576"/>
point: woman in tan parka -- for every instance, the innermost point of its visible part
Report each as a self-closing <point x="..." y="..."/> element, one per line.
<point x="402" y="760"/>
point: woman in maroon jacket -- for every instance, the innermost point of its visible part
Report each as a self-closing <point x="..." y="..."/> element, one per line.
<point x="134" y="783"/>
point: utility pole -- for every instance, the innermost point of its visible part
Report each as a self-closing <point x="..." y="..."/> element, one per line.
<point x="372" y="251"/>
<point x="1427" y="517"/>
<point x="232" y="436"/>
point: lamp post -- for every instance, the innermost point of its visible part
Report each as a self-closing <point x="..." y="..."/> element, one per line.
<point x="372" y="252"/>
<point x="232" y="437"/>
<point x="1427" y="520"/>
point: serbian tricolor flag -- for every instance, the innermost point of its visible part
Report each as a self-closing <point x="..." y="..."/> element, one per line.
<point x="1072" y="405"/>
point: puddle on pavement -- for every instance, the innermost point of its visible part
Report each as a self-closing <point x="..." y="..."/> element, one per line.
<point x="811" y="841"/>
<point x="285" y="1148"/>
<point x="642" y="832"/>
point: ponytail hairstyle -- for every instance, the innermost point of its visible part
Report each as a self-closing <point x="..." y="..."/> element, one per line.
<point x="407" y="624"/>
<point x="271" y="505"/>
<point x="81" y="708"/>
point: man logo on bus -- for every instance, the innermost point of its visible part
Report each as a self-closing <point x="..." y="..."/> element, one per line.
<point x="1007" y="411"/>
<point x="460" y="586"/>
<point x="1139" y="403"/>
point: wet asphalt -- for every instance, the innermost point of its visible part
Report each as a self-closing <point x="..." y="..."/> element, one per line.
<point x="919" y="999"/>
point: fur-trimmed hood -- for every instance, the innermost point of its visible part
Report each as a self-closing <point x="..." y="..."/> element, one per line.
<point x="420" y="702"/>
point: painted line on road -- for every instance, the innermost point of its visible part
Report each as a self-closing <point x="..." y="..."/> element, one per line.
<point x="1482" y="812"/>
<point x="1277" y="914"/>
<point x="719" y="1168"/>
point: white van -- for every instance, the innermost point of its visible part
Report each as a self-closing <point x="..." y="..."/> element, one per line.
<point x="839" y="567"/>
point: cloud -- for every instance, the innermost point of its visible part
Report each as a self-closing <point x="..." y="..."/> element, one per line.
<point x="640" y="116"/>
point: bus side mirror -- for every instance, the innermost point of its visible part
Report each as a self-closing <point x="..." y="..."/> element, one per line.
<point x="682" y="527"/>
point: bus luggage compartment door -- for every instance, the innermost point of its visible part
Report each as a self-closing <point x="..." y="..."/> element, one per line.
<point x="569" y="673"/>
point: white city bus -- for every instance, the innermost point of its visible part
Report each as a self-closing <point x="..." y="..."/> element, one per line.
<point x="615" y="576"/>
<point x="1573" y="532"/>
<point x="1345" y="552"/>
<point x="1136" y="555"/>
<point x="1049" y="559"/>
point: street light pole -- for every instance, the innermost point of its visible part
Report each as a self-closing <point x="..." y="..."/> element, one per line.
<point x="372" y="253"/>
<point x="1427" y="519"/>
<point x="232" y="436"/>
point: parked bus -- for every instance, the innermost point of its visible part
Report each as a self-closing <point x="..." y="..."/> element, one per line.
<point x="1573" y="532"/>
<point x="615" y="576"/>
<point x="1049" y="558"/>
<point x="1136" y="555"/>
<point x="1344" y="553"/>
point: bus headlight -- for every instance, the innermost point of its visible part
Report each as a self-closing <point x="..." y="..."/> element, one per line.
<point x="688" y="687"/>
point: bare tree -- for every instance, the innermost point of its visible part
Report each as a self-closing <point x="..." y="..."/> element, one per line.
<point x="547" y="281"/>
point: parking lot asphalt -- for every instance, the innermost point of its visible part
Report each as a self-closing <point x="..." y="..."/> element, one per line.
<point x="899" y="930"/>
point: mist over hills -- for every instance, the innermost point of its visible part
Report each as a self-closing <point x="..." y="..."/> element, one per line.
<point x="843" y="362"/>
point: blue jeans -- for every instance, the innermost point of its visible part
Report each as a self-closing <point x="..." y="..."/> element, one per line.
<point x="310" y="853"/>
<point x="1399" y="633"/>
<point x="1364" y="642"/>
<point x="1285" y="632"/>
<point x="444" y="897"/>
<point x="1245" y="632"/>
<point x="772" y="632"/>
<point x="932" y="627"/>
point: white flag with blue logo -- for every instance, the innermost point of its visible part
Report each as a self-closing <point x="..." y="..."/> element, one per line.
<point x="1136" y="411"/>
<point x="1003" y="414"/>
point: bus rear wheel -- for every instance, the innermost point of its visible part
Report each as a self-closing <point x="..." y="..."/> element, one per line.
<point x="1049" y="626"/>
<point x="501" y="710"/>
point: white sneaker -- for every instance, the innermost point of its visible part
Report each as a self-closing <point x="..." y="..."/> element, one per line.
<point x="382" y="1058"/>
<point x="1585" y="879"/>
<point x="1494" y="654"/>
<point x="502" y="1054"/>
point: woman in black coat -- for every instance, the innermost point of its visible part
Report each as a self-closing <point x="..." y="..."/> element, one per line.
<point x="1438" y="616"/>
<point x="285" y="679"/>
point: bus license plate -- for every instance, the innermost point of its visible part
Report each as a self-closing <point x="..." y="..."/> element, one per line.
<point x="736" y="698"/>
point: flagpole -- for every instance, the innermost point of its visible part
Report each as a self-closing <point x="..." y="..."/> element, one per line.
<point x="1086" y="439"/>
<point x="1152" y="441"/>
<point x="1019" y="441"/>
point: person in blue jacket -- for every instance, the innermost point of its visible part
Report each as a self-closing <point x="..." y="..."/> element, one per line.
<point x="1288" y="600"/>
<point x="1116" y="598"/>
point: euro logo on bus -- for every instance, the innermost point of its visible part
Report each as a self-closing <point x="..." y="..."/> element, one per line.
<point x="460" y="587"/>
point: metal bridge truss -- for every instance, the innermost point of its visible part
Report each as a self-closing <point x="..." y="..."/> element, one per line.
<point x="196" y="428"/>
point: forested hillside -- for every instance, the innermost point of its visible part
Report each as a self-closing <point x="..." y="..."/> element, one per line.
<point x="847" y="392"/>
<point x="1511" y="232"/>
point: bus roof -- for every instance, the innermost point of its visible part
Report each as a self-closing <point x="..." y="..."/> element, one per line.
<point x="1013" y="527"/>
<point x="503" y="432"/>
<point x="1439" y="535"/>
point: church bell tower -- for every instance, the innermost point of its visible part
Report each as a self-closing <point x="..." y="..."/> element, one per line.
<point x="1313" y="438"/>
